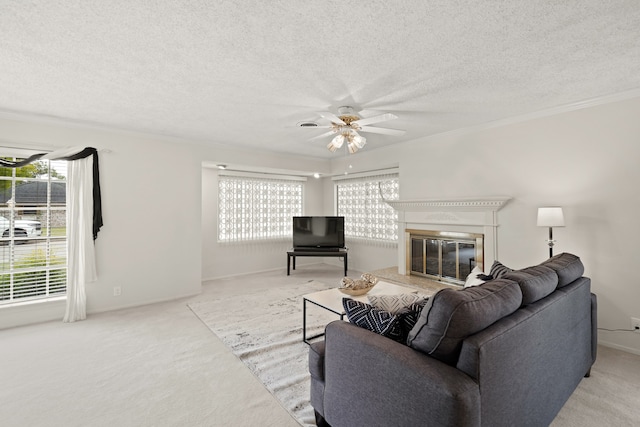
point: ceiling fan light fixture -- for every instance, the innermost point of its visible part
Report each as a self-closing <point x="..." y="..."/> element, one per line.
<point x="336" y="143"/>
<point x="346" y="125"/>
<point x="352" y="147"/>
<point x="359" y="141"/>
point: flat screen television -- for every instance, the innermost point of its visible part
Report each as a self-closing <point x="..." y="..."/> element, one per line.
<point x="318" y="232"/>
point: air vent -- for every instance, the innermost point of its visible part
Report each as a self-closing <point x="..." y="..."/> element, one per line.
<point x="307" y="124"/>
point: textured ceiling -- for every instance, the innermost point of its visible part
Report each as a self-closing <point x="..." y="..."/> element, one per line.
<point x="245" y="72"/>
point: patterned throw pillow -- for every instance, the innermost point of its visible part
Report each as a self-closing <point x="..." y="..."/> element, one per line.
<point x="394" y="303"/>
<point x="376" y="320"/>
<point x="409" y="317"/>
<point x="498" y="270"/>
<point x="394" y="326"/>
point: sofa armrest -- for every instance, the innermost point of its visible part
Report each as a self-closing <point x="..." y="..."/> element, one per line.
<point x="594" y="327"/>
<point x="373" y="380"/>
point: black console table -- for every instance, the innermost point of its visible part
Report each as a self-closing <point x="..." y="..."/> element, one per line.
<point x="339" y="253"/>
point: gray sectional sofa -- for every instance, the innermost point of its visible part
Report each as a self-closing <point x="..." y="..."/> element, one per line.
<point x="509" y="352"/>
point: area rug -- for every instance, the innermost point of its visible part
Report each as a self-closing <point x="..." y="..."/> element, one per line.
<point x="264" y="330"/>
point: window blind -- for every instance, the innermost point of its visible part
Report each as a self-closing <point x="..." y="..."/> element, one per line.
<point x="33" y="257"/>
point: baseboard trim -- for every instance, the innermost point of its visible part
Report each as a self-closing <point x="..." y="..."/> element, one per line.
<point x="268" y="270"/>
<point x="141" y="304"/>
<point x="619" y="347"/>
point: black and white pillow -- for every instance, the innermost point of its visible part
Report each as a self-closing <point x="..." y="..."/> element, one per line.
<point x="498" y="270"/>
<point x="367" y="316"/>
<point x="395" y="326"/>
<point x="409" y="317"/>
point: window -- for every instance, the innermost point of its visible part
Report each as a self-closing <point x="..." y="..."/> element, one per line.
<point x="366" y="215"/>
<point x="33" y="244"/>
<point x="257" y="208"/>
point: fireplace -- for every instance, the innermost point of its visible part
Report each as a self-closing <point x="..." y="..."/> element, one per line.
<point x="444" y="239"/>
<point x="443" y="255"/>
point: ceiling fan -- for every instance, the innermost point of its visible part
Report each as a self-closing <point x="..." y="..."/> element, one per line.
<point x="346" y="125"/>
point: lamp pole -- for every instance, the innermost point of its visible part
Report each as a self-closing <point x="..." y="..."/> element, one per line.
<point x="550" y="217"/>
<point x="551" y="242"/>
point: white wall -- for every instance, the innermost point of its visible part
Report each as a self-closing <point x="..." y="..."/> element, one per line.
<point x="150" y="243"/>
<point x="585" y="161"/>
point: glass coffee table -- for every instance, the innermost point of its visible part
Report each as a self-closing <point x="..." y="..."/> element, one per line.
<point x="331" y="300"/>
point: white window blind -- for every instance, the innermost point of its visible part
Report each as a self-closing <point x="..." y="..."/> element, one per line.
<point x="367" y="216"/>
<point x="33" y="257"/>
<point x="253" y="208"/>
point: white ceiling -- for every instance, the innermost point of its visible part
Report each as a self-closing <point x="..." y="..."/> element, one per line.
<point x="245" y="72"/>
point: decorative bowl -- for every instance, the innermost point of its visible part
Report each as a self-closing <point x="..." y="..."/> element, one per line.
<point x="355" y="292"/>
<point x="358" y="287"/>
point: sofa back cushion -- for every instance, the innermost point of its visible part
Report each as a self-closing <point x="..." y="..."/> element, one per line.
<point x="535" y="282"/>
<point x="450" y="316"/>
<point x="567" y="266"/>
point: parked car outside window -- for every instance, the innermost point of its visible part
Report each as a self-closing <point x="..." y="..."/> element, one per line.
<point x="21" y="227"/>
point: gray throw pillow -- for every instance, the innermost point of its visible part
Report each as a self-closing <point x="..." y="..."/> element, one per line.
<point x="450" y="316"/>
<point x="567" y="266"/>
<point x="535" y="282"/>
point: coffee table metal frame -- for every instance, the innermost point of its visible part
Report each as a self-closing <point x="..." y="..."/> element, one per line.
<point x="333" y="301"/>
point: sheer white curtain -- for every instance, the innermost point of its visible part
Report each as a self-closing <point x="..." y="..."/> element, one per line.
<point x="81" y="262"/>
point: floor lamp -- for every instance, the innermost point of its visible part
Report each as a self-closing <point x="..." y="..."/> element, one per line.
<point x="550" y="217"/>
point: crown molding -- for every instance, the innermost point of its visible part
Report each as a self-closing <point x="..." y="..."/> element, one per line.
<point x="548" y="112"/>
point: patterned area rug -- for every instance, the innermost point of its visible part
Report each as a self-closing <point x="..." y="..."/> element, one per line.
<point x="265" y="331"/>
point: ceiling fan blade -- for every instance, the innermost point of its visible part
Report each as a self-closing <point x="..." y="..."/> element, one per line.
<point x="322" y="135"/>
<point x="377" y="119"/>
<point x="331" y="117"/>
<point x="383" y="131"/>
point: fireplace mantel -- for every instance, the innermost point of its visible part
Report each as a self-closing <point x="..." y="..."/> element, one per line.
<point x="491" y="204"/>
<point x="470" y="215"/>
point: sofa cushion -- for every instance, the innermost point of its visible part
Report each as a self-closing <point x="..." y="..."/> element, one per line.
<point x="450" y="316"/>
<point x="567" y="266"/>
<point x="535" y="282"/>
<point x="498" y="270"/>
<point x="371" y="318"/>
<point x="394" y="303"/>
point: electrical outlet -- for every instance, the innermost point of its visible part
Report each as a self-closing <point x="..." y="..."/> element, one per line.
<point x="635" y="325"/>
<point x="117" y="291"/>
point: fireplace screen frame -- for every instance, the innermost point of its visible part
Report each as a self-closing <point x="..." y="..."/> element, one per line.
<point x="437" y="241"/>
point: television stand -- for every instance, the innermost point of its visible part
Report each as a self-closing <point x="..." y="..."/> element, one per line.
<point x="340" y="253"/>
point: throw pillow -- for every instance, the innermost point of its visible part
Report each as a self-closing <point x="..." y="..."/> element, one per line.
<point x="375" y="320"/>
<point x="451" y="316"/>
<point x="475" y="278"/>
<point x="567" y="266"/>
<point x="498" y="270"/>
<point x="535" y="282"/>
<point x="394" y="303"/>
<point x="409" y="317"/>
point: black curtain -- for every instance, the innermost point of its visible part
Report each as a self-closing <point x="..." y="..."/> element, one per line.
<point x="97" y="197"/>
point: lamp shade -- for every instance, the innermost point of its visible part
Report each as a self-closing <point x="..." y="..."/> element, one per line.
<point x="550" y="217"/>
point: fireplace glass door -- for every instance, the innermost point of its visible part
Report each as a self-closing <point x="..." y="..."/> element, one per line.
<point x="443" y="258"/>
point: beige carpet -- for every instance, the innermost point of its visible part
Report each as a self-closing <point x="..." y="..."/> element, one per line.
<point x="265" y="331"/>
<point x="158" y="366"/>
